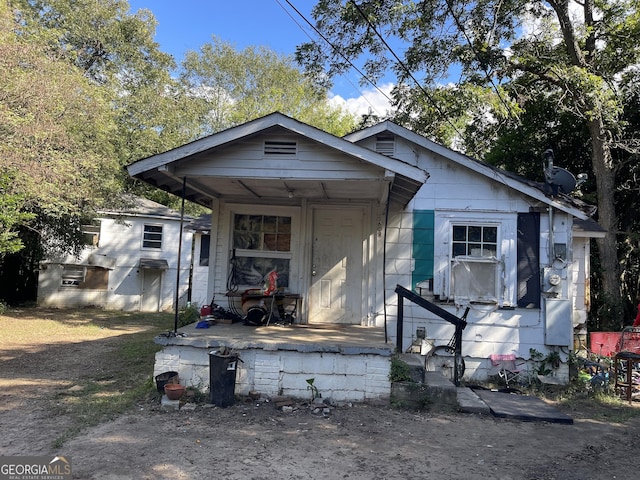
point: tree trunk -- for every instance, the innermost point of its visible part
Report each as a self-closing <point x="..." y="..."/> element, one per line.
<point x="605" y="181"/>
<point x="601" y="150"/>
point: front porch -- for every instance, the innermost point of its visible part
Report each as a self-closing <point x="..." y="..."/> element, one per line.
<point x="347" y="362"/>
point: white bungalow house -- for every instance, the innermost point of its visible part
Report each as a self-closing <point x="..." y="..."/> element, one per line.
<point x="130" y="262"/>
<point x="344" y="221"/>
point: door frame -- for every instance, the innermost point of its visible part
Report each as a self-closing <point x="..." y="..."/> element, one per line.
<point x="367" y="248"/>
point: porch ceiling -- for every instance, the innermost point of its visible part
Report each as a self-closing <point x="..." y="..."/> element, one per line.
<point x="202" y="189"/>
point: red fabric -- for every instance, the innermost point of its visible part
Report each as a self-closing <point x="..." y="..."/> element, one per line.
<point x="636" y="322"/>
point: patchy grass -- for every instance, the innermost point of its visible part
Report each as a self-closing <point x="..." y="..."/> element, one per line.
<point x="113" y="371"/>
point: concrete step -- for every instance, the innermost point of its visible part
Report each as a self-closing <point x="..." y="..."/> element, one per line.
<point x="469" y="402"/>
<point x="416" y="366"/>
<point x="434" y="389"/>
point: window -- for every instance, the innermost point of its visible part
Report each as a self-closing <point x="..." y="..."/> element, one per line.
<point x="85" y="277"/>
<point x="72" y="276"/>
<point x="475" y="240"/>
<point x="205" y="243"/>
<point x="91" y="233"/>
<point x="152" y="237"/>
<point x="474" y="263"/>
<point x="261" y="244"/>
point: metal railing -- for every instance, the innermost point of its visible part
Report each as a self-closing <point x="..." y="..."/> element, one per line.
<point x="458" y="322"/>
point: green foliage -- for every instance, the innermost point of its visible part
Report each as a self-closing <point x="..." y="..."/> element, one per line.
<point x="399" y="371"/>
<point x="545" y="365"/>
<point x="56" y="126"/>
<point x="12" y="216"/>
<point x="188" y="315"/>
<point x="239" y="86"/>
<point x="315" y="393"/>
<point x="609" y="316"/>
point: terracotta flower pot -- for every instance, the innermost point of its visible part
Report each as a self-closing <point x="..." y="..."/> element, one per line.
<point x="173" y="391"/>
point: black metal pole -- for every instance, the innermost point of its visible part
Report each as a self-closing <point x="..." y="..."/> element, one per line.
<point x="175" y="320"/>
<point x="399" y="325"/>
<point x="457" y="355"/>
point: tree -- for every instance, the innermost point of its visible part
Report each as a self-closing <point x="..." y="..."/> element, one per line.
<point x="12" y="216"/>
<point x="238" y="86"/>
<point x="572" y="51"/>
<point x="84" y="91"/>
<point x="56" y="126"/>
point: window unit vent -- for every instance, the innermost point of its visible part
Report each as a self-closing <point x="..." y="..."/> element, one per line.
<point x="385" y="145"/>
<point x="274" y="147"/>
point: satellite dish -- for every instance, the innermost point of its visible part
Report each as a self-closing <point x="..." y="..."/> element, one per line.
<point x="560" y="180"/>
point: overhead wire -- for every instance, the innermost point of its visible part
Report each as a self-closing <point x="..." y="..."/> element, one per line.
<point x="400" y="62"/>
<point x="335" y="49"/>
<point x="475" y="54"/>
<point x="435" y="105"/>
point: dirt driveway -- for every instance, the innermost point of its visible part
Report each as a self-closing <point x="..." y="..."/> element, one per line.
<point x="253" y="440"/>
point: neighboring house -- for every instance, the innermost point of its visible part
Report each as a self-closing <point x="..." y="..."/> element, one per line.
<point x="130" y="262"/>
<point x="201" y="228"/>
<point x="345" y="220"/>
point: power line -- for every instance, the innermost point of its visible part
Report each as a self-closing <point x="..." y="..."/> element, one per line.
<point x="435" y="105"/>
<point x="335" y="49"/>
<point x="475" y="54"/>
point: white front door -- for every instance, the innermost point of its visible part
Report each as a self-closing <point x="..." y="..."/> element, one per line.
<point x="151" y="289"/>
<point x="335" y="294"/>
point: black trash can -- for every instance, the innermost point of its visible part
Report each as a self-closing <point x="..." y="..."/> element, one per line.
<point x="222" y="378"/>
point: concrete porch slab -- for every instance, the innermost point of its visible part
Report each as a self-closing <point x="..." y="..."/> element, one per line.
<point x="334" y="338"/>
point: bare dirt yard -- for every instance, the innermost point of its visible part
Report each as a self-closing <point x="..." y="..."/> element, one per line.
<point x="58" y="390"/>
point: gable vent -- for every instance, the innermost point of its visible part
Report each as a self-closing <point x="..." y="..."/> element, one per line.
<point x="272" y="147"/>
<point x="385" y="145"/>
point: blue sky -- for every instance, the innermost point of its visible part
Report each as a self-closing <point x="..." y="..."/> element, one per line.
<point x="187" y="24"/>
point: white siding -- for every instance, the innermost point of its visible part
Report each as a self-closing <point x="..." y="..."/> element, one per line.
<point x="457" y="194"/>
<point x="121" y="239"/>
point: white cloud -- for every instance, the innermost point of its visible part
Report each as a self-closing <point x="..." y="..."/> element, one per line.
<point x="371" y="100"/>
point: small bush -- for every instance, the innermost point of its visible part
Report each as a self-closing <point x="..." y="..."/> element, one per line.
<point x="189" y="314"/>
<point x="399" y="371"/>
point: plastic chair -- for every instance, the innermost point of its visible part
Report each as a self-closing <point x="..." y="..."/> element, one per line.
<point x="509" y="370"/>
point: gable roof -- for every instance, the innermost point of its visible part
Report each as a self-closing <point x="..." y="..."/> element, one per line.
<point x="135" y="206"/>
<point x="536" y="190"/>
<point x="405" y="179"/>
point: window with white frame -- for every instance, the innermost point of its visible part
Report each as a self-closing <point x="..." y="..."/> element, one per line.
<point x="261" y="244"/>
<point x="152" y="236"/>
<point x="72" y="276"/>
<point x="474" y="263"/>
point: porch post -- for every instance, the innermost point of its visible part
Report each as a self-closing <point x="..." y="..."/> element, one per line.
<point x="175" y="319"/>
<point x="399" y="324"/>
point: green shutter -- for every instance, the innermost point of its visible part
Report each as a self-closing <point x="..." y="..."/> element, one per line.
<point x="423" y="246"/>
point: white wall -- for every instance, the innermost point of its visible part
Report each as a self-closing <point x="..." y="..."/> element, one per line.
<point x="339" y="377"/>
